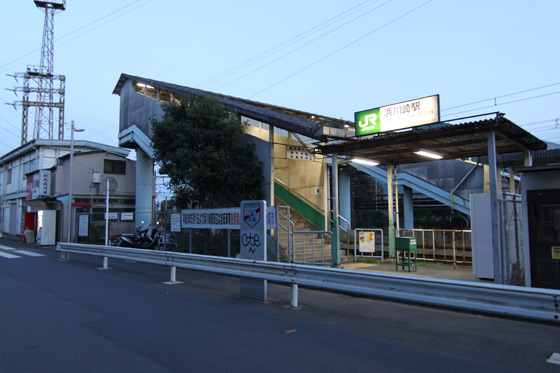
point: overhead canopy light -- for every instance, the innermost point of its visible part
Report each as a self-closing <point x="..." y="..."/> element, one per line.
<point x="429" y="154"/>
<point x="365" y="162"/>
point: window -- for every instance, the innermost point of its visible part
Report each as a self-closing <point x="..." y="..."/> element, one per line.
<point x="114" y="167"/>
<point x="9" y="176"/>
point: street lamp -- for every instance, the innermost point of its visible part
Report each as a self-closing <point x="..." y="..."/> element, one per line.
<point x="72" y="130"/>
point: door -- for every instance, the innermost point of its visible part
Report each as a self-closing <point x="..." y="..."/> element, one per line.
<point x="544" y="237"/>
<point x="13" y="219"/>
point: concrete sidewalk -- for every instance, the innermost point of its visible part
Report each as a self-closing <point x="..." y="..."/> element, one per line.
<point x="424" y="270"/>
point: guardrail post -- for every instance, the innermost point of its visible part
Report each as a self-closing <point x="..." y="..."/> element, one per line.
<point x="173" y="277"/>
<point x="64" y="256"/>
<point x="294" y="301"/>
<point x="105" y="264"/>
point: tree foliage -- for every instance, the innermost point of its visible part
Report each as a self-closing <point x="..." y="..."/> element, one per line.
<point x="197" y="144"/>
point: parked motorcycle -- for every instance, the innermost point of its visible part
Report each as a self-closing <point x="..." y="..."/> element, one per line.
<point x="142" y="239"/>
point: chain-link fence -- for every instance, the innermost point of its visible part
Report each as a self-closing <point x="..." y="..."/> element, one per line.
<point x="512" y="241"/>
<point x="215" y="242"/>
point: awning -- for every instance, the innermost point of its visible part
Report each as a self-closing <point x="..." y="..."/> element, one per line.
<point x="458" y="141"/>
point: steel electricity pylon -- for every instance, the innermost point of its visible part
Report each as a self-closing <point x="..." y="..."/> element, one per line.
<point x="39" y="89"/>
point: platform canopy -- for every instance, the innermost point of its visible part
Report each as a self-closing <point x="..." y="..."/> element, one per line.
<point x="459" y="141"/>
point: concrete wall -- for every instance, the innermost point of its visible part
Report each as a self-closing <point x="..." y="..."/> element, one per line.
<point x="302" y="176"/>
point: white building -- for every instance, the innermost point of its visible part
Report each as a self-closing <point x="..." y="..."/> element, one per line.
<point x="34" y="181"/>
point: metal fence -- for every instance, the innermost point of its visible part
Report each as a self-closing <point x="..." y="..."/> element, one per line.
<point x="310" y="247"/>
<point x="216" y="242"/>
<point x="442" y="245"/>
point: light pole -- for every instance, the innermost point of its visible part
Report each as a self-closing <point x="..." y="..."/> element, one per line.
<point x="72" y="130"/>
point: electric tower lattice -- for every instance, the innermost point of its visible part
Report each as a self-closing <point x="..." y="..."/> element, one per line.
<point x="39" y="83"/>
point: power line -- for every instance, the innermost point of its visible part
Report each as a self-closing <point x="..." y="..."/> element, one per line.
<point x="497" y="97"/>
<point x="341" y="48"/>
<point x="505" y="103"/>
<point x="104" y="23"/>
<point x="10" y="123"/>
<point x="304" y="45"/>
<point x="541" y="122"/>
<point x="284" y="44"/>
<point x="2" y="68"/>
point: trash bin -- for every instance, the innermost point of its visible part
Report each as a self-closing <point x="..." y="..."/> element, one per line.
<point x="405" y="253"/>
<point x="29" y="236"/>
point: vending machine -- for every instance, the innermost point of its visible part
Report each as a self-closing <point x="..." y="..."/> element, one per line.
<point x="46" y="227"/>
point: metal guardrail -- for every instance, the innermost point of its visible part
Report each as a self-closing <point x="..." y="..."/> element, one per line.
<point x="531" y="303"/>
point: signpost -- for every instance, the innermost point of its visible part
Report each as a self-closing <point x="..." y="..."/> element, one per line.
<point x="397" y="116"/>
<point x="253" y="245"/>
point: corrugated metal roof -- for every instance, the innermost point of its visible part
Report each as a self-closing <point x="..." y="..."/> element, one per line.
<point x="452" y="141"/>
<point x="29" y="146"/>
<point x="300" y="122"/>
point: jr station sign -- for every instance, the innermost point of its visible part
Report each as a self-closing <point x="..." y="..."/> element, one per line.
<point x="398" y="116"/>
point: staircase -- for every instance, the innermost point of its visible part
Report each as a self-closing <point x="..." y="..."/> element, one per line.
<point x="312" y="248"/>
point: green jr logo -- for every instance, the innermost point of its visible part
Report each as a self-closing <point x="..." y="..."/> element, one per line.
<point x="367" y="122"/>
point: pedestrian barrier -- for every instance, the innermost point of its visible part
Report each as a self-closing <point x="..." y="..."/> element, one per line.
<point x="530" y="303"/>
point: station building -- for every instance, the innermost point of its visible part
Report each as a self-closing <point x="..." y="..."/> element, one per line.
<point x="303" y="154"/>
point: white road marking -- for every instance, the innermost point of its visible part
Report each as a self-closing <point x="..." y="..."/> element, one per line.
<point x="29" y="253"/>
<point x="9" y="256"/>
<point x="554" y="358"/>
<point x="12" y="256"/>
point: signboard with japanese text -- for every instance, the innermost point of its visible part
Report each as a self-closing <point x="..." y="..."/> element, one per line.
<point x="556" y="252"/>
<point x="44" y="182"/>
<point x="226" y="218"/>
<point x="367" y="242"/>
<point x="83" y="225"/>
<point x="127" y="216"/>
<point x="398" y="116"/>
<point x="175" y="222"/>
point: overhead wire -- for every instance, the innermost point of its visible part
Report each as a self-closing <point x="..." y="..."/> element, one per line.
<point x="497" y="97"/>
<point x="57" y="41"/>
<point x="304" y="45"/>
<point x="279" y="46"/>
<point x="285" y="44"/>
<point x="341" y="48"/>
<point x="503" y="103"/>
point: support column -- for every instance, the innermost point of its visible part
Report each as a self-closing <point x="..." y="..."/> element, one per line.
<point x="270" y="201"/>
<point x="345" y="196"/>
<point x="335" y="241"/>
<point x="144" y="188"/>
<point x="408" y="205"/>
<point x="494" y="209"/>
<point x="391" y="222"/>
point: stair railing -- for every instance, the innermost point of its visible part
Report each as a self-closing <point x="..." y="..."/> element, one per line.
<point x="285" y="224"/>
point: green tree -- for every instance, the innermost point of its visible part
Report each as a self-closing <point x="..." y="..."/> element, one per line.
<point x="197" y="144"/>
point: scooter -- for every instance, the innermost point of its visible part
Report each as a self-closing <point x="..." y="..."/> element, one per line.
<point x="142" y="239"/>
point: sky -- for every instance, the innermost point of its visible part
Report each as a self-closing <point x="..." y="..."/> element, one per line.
<point x="327" y="57"/>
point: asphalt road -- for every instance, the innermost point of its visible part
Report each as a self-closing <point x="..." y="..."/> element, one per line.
<point x="69" y="316"/>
